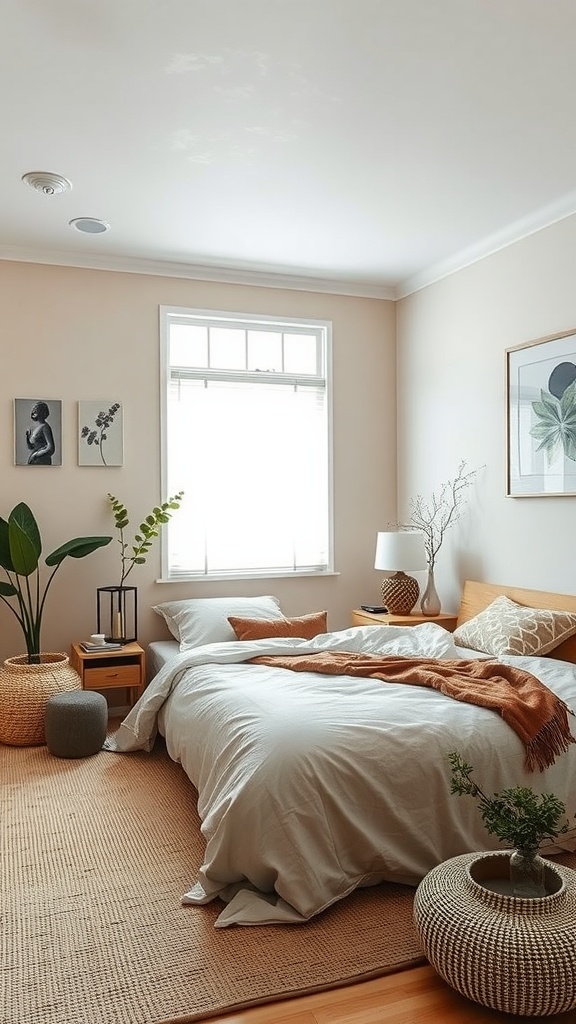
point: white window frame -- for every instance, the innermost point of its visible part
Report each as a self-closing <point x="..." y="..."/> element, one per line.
<point x="166" y="313"/>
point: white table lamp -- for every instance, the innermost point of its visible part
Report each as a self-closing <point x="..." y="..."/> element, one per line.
<point x="396" y="552"/>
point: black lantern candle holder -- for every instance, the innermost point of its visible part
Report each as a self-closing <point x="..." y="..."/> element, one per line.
<point x="117" y="613"/>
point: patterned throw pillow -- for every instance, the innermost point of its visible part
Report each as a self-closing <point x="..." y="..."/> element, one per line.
<point x="505" y="627"/>
<point x="304" y="626"/>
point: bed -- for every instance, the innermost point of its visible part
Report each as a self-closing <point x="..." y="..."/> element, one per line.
<point x="311" y="785"/>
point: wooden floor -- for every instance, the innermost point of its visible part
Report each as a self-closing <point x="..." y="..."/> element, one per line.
<point x="417" y="996"/>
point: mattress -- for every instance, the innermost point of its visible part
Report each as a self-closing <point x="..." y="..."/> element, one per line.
<point x="159" y="653"/>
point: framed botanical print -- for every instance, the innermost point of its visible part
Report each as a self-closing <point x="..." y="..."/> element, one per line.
<point x="541" y="417"/>
<point x="37" y="432"/>
<point x="100" y="433"/>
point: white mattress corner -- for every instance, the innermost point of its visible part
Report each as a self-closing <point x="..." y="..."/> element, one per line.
<point x="159" y="653"/>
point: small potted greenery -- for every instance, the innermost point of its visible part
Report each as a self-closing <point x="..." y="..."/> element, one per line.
<point x="27" y="680"/>
<point x="520" y="818"/>
<point x="117" y="605"/>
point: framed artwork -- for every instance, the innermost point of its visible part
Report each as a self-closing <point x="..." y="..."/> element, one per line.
<point x="541" y="417"/>
<point x="37" y="432"/>
<point x="100" y="433"/>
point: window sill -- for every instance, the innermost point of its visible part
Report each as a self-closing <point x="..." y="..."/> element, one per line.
<point x="244" y="577"/>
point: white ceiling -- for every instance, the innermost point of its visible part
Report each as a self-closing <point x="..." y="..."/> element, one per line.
<point x="372" y="145"/>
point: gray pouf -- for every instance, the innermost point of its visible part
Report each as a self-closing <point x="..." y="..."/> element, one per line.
<point x="75" y="723"/>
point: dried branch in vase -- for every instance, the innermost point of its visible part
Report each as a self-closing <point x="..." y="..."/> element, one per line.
<point x="435" y="515"/>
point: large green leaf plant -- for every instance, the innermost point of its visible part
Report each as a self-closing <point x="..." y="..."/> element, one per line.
<point x="24" y="592"/>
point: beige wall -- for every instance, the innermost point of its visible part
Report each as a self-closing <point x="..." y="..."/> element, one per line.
<point x="451" y="341"/>
<point x="74" y="334"/>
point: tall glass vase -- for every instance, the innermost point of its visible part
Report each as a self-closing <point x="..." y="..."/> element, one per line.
<point x="527" y="873"/>
<point x="430" y="602"/>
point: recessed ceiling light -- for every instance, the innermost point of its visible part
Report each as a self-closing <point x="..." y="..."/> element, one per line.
<point x="46" y="182"/>
<point x="90" y="225"/>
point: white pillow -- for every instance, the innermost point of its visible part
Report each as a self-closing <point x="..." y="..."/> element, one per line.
<point x="505" y="627"/>
<point x="204" y="620"/>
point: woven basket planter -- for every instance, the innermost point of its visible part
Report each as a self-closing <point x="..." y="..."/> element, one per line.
<point x="511" y="954"/>
<point x="24" y="693"/>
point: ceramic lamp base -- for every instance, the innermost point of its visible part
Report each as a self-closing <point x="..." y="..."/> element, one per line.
<point x="400" y="593"/>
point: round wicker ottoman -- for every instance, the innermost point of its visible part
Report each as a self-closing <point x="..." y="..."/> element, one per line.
<point x="511" y="954"/>
<point x="75" y="723"/>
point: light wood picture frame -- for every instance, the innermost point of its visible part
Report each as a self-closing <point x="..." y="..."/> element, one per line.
<point x="37" y="432"/>
<point x="100" y="433"/>
<point x="541" y="417"/>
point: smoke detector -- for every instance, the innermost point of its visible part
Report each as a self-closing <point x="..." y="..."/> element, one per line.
<point x="46" y="182"/>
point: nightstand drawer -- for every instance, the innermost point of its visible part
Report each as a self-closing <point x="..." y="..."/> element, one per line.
<point x="98" y="677"/>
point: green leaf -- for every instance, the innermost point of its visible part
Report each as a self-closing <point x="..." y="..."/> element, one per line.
<point x="23" y="549"/>
<point x="544" y="414"/>
<point x="24" y="539"/>
<point x="568" y="400"/>
<point x="5" y="556"/>
<point x="79" y="547"/>
<point x="570" y="447"/>
<point x="7" y="590"/>
<point x="549" y="401"/>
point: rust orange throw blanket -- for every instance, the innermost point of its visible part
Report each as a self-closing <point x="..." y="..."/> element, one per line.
<point x="536" y="714"/>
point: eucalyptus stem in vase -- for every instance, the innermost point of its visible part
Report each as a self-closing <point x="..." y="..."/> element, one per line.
<point x="135" y="553"/>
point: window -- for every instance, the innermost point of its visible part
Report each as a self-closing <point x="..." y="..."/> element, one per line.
<point x="246" y="435"/>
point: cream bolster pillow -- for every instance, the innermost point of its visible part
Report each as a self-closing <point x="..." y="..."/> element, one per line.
<point x="204" y="620"/>
<point x="304" y="626"/>
<point x="505" y="627"/>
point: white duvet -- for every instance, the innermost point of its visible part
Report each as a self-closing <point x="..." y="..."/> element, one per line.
<point x="311" y="785"/>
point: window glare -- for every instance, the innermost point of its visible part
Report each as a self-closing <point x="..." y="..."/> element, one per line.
<point x="250" y="451"/>
<point x="265" y="350"/>
<point x="227" y="348"/>
<point x="188" y="345"/>
<point x="300" y="353"/>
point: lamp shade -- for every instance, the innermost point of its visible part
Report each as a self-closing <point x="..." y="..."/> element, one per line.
<point x="395" y="552"/>
<point x="400" y="551"/>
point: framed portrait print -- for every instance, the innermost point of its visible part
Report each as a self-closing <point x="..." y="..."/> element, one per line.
<point x="37" y="432"/>
<point x="100" y="433"/>
<point x="541" y="417"/>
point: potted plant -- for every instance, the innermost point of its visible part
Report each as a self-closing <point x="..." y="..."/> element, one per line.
<point x="520" y="818"/>
<point x="117" y="605"/>
<point x="27" y="680"/>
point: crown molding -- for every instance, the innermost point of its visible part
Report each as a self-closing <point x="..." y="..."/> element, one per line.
<point x="199" y="272"/>
<point x="522" y="228"/>
<point x="515" y="232"/>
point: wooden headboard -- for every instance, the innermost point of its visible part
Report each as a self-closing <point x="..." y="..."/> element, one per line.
<point x="477" y="596"/>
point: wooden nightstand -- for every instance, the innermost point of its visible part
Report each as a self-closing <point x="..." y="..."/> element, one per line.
<point x="109" y="670"/>
<point x="360" y="618"/>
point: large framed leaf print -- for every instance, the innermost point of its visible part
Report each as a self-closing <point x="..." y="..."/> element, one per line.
<point x="541" y="417"/>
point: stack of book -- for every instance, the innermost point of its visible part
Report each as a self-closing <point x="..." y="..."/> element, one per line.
<point x="108" y="645"/>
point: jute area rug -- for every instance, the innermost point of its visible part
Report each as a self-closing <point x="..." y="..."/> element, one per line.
<point x="95" y="856"/>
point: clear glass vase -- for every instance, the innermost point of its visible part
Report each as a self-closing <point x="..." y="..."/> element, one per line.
<point x="430" y="602"/>
<point x="527" y="873"/>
